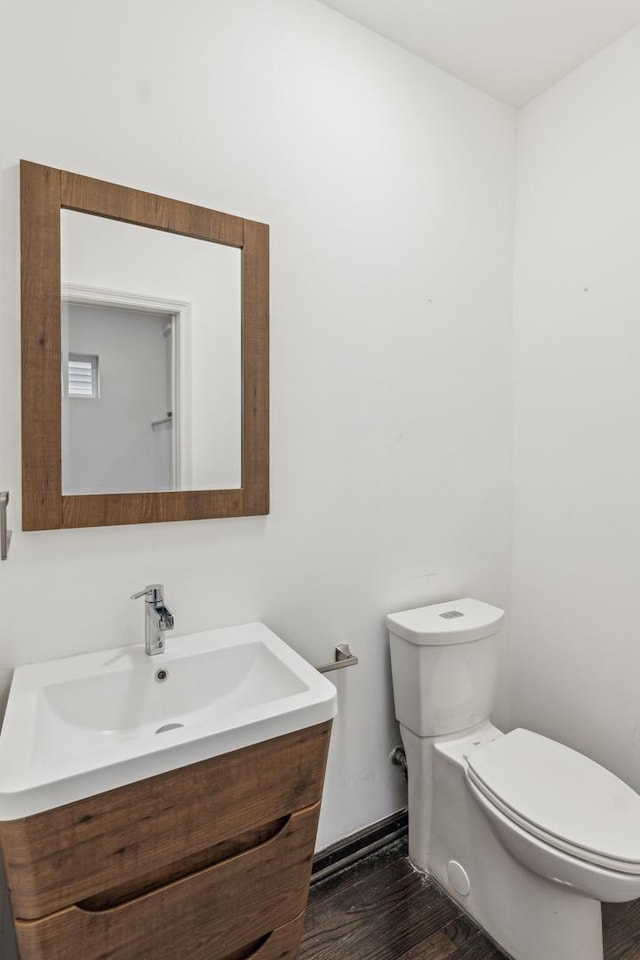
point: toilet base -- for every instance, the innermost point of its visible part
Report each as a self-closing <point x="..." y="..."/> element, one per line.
<point x="450" y="838"/>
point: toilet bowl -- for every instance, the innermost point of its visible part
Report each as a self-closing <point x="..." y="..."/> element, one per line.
<point x="526" y="834"/>
<point x="562" y="815"/>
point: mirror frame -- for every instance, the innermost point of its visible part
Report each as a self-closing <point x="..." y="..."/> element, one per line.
<point x="44" y="192"/>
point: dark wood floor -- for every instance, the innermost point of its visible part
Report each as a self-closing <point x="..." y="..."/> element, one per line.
<point x="382" y="909"/>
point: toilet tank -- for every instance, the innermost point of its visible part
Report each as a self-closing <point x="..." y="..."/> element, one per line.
<point x="444" y="662"/>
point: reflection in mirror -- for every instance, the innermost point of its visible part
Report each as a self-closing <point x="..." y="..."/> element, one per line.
<point x="151" y="359"/>
<point x="117" y="371"/>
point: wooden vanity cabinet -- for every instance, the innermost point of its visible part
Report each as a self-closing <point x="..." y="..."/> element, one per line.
<point x="207" y="862"/>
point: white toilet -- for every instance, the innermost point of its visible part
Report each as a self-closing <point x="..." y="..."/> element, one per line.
<point x="527" y="835"/>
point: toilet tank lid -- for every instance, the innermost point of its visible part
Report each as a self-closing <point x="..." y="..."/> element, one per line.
<point x="457" y="621"/>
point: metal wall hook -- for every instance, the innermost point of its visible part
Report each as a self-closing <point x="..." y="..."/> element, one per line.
<point x="5" y="535"/>
<point x="344" y="658"/>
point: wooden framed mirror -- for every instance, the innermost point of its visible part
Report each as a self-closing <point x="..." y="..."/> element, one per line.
<point x="50" y="500"/>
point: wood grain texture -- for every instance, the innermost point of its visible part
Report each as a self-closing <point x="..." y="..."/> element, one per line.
<point x="202" y="917"/>
<point x="41" y="346"/>
<point x="255" y="364"/>
<point x="621" y="930"/>
<point x="116" y="508"/>
<point x="74" y="852"/>
<point x="382" y="909"/>
<point x="44" y="192"/>
<point x="104" y="199"/>
<point x="282" y="944"/>
<point x="183" y="867"/>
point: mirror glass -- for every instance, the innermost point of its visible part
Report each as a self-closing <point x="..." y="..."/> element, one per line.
<point x="151" y="359"/>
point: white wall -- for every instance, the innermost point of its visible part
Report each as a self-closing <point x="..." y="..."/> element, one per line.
<point x="388" y="187"/>
<point x="575" y="627"/>
<point x="108" y="442"/>
<point x="120" y="257"/>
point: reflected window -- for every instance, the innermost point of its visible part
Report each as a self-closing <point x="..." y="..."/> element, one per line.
<point x="83" y="376"/>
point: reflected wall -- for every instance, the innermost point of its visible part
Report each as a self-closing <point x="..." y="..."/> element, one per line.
<point x="132" y="269"/>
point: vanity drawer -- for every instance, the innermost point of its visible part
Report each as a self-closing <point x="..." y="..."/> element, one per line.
<point x="64" y="856"/>
<point x="282" y="944"/>
<point x="215" y="914"/>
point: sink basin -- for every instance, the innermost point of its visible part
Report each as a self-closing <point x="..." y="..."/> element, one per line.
<point x="81" y="725"/>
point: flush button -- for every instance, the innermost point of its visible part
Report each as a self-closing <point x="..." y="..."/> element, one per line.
<point x="451" y="615"/>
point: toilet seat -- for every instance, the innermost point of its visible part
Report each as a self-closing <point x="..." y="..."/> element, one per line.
<point x="561" y="797"/>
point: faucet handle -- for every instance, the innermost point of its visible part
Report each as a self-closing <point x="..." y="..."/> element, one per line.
<point x="154" y="593"/>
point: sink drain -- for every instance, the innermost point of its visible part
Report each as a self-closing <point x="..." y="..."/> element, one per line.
<point x="169" y="726"/>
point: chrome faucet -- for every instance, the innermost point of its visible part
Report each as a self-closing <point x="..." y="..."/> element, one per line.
<point x="157" y="619"/>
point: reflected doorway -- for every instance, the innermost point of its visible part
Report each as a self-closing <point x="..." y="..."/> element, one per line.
<point x="122" y="423"/>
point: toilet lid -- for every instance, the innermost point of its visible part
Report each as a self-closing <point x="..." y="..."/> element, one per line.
<point x="562" y="796"/>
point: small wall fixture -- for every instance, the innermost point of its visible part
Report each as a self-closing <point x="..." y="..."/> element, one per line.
<point x="5" y="535"/>
<point x="344" y="658"/>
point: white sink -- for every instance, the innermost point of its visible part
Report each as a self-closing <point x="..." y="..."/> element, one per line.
<point x="78" y="726"/>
